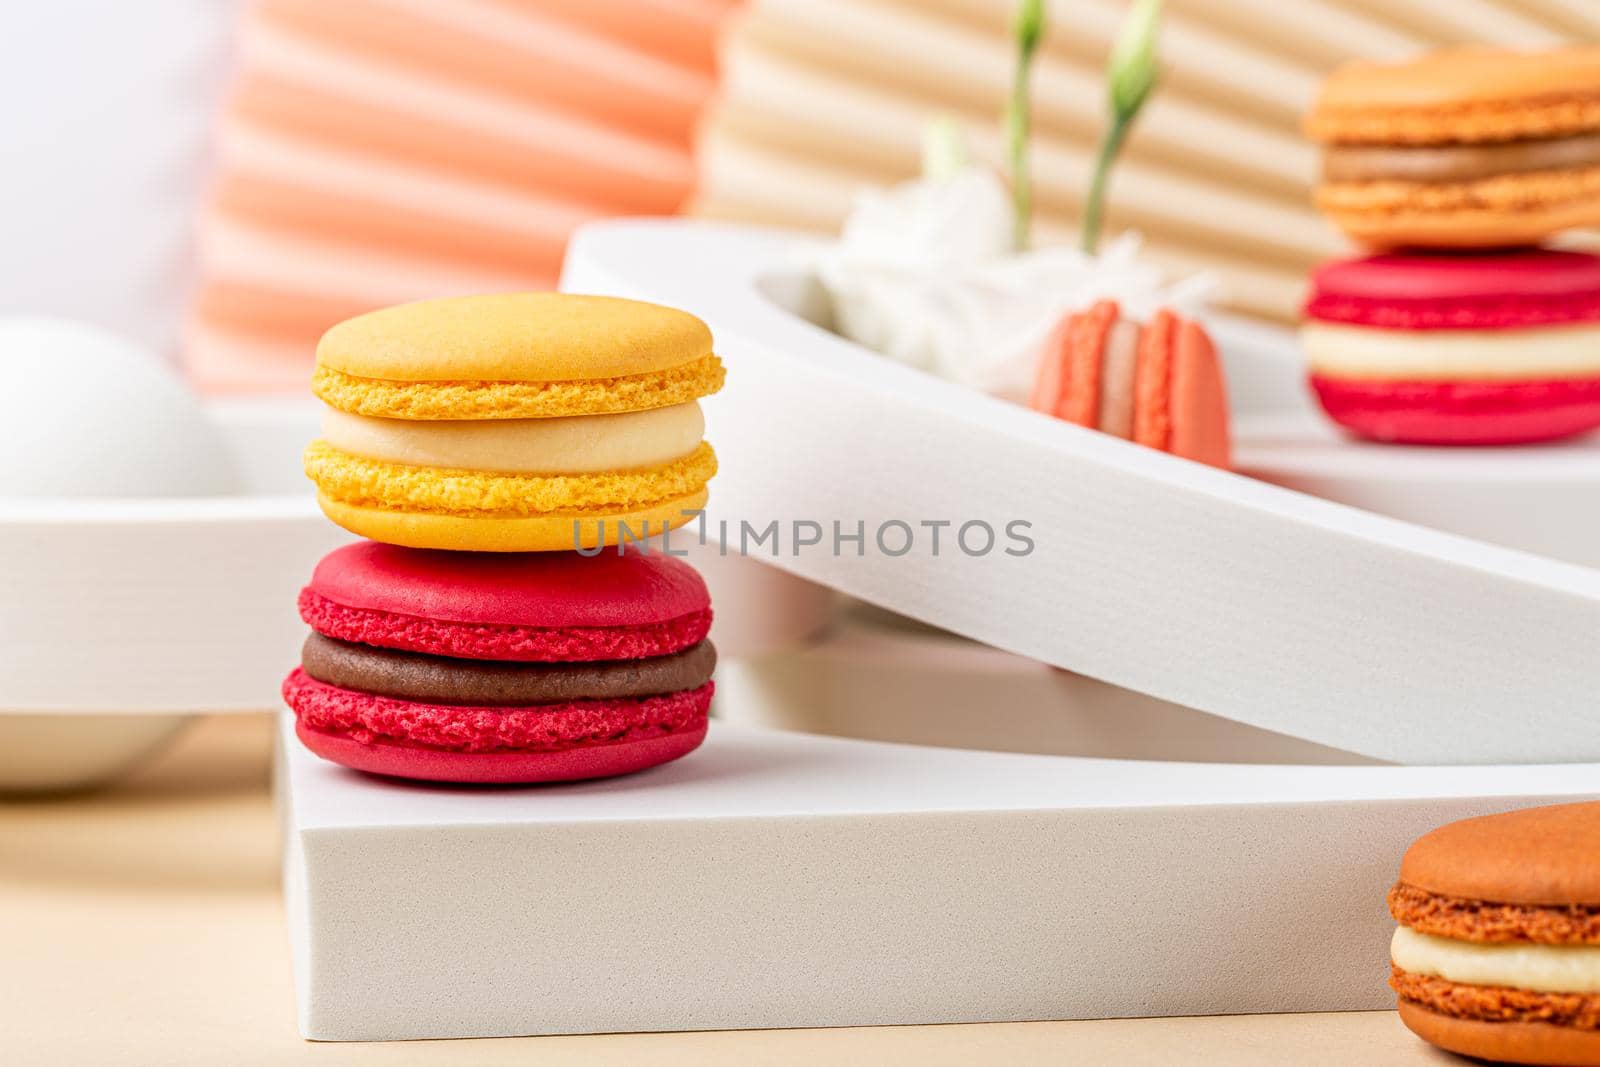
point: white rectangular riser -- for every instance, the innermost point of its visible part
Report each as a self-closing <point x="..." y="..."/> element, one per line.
<point x="1199" y="587"/>
<point x="773" y="880"/>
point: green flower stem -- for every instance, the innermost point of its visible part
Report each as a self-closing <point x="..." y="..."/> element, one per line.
<point x="1029" y="30"/>
<point x="1017" y="122"/>
<point x="1130" y="76"/>
<point x="1094" y="207"/>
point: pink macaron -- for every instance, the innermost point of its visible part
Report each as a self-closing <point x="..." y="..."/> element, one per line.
<point x="469" y="667"/>
<point x="1502" y="348"/>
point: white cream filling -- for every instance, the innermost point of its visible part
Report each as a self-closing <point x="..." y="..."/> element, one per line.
<point x="575" y="444"/>
<point x="1466" y="355"/>
<point x="1540" y="968"/>
<point x="1118" y="367"/>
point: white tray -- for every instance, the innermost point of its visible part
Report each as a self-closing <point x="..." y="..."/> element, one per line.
<point x="188" y="604"/>
<point x="1538" y="498"/>
<point x="877" y="677"/>
<point x="1203" y="588"/>
<point x="165" y="605"/>
<point x="774" y="879"/>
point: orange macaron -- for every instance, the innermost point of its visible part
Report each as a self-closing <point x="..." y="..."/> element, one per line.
<point x="1157" y="384"/>
<point x="1461" y="148"/>
<point x="1497" y="952"/>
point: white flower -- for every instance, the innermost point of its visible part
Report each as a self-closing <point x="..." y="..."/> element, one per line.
<point x="927" y="223"/>
<point x="924" y="274"/>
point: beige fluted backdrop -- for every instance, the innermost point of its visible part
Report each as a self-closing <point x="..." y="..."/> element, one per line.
<point x="821" y="98"/>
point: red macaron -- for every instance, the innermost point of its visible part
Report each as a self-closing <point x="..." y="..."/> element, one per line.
<point x="1500" y="348"/>
<point x="469" y="667"/>
<point x="1158" y="384"/>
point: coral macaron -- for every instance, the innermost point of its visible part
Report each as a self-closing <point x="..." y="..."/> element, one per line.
<point x="1498" y="950"/>
<point x="1462" y="148"/>
<point x="1158" y="384"/>
<point x="475" y="667"/>
<point x="513" y="422"/>
<point x="1485" y="349"/>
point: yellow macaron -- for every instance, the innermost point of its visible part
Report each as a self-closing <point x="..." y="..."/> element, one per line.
<point x="514" y="422"/>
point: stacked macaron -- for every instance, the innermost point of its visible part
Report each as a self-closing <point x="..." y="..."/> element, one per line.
<point x="1497" y="954"/>
<point x="513" y="423"/>
<point x="503" y="453"/>
<point x="1462" y="159"/>
<point x="1157" y="384"/>
<point x="502" y="667"/>
<point x="1483" y="349"/>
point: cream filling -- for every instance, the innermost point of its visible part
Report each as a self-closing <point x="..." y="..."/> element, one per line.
<point x="1457" y="162"/>
<point x="1118" y="366"/>
<point x="1459" y="355"/>
<point x="577" y="444"/>
<point x="1540" y="968"/>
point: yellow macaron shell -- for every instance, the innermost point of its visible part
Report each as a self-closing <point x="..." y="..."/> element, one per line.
<point x="580" y="444"/>
<point x="514" y="337"/>
<point x="537" y="533"/>
<point x="515" y="355"/>
<point x="517" y="400"/>
<point x="401" y="487"/>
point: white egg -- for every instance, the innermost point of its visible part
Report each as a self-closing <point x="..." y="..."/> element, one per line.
<point x="85" y="413"/>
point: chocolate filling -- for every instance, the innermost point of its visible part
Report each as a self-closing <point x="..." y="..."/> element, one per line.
<point x="1457" y="162"/>
<point x="442" y="680"/>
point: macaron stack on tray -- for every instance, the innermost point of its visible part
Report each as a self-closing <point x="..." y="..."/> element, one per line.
<point x="1458" y="162"/>
<point x="1306" y="632"/>
<point x="1236" y="618"/>
<point x="500" y="452"/>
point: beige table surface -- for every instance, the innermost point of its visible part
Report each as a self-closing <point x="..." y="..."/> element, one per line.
<point x="142" y="925"/>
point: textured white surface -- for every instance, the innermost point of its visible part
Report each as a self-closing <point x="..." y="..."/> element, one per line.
<point x="773" y="879"/>
<point x="1203" y="588"/>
